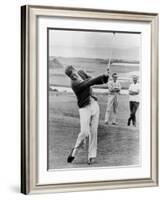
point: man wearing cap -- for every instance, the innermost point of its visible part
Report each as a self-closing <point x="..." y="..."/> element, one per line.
<point x="133" y="100"/>
<point x="88" y="110"/>
<point x="114" y="88"/>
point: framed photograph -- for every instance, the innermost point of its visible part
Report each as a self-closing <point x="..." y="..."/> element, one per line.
<point x="89" y="99"/>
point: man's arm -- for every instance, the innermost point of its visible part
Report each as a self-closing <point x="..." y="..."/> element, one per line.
<point x="118" y="89"/>
<point x="110" y="87"/>
<point x="113" y="89"/>
<point x="83" y="74"/>
<point x="91" y="81"/>
<point x="133" y="92"/>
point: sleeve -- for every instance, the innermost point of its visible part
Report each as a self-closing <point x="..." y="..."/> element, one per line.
<point x="130" y="88"/>
<point x="119" y="86"/>
<point x="93" y="81"/>
<point x="138" y="88"/>
<point x="110" y="87"/>
<point x="83" y="74"/>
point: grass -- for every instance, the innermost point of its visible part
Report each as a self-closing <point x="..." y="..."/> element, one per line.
<point x="117" y="145"/>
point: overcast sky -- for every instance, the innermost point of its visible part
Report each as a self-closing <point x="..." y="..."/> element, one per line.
<point x="94" y="44"/>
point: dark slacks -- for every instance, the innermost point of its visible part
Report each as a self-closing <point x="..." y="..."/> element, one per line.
<point x="133" y="108"/>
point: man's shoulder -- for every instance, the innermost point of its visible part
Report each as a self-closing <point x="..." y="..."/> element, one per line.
<point x="75" y="83"/>
<point x="110" y="81"/>
<point x="83" y="74"/>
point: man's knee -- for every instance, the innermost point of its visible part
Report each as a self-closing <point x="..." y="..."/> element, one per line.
<point x="85" y="133"/>
<point x="108" y="109"/>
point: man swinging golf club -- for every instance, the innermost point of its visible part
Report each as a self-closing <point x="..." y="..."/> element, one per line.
<point x="88" y="110"/>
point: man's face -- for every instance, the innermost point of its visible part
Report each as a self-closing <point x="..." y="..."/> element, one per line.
<point x="75" y="76"/>
<point x="115" y="78"/>
<point x="135" y="80"/>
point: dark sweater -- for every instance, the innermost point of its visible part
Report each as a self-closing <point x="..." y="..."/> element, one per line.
<point x="83" y="90"/>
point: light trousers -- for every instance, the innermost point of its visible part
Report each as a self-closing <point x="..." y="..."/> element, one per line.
<point x="89" y="119"/>
<point x="111" y="109"/>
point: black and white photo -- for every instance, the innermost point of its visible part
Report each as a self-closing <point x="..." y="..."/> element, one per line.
<point x="89" y="91"/>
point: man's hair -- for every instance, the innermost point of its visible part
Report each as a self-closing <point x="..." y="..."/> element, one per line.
<point x="69" y="69"/>
<point x="135" y="77"/>
<point x="114" y="75"/>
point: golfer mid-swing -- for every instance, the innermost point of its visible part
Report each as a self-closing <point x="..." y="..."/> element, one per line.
<point x="88" y="110"/>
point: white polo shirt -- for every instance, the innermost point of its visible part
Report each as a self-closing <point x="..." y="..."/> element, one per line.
<point x="134" y="88"/>
<point x="112" y="85"/>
